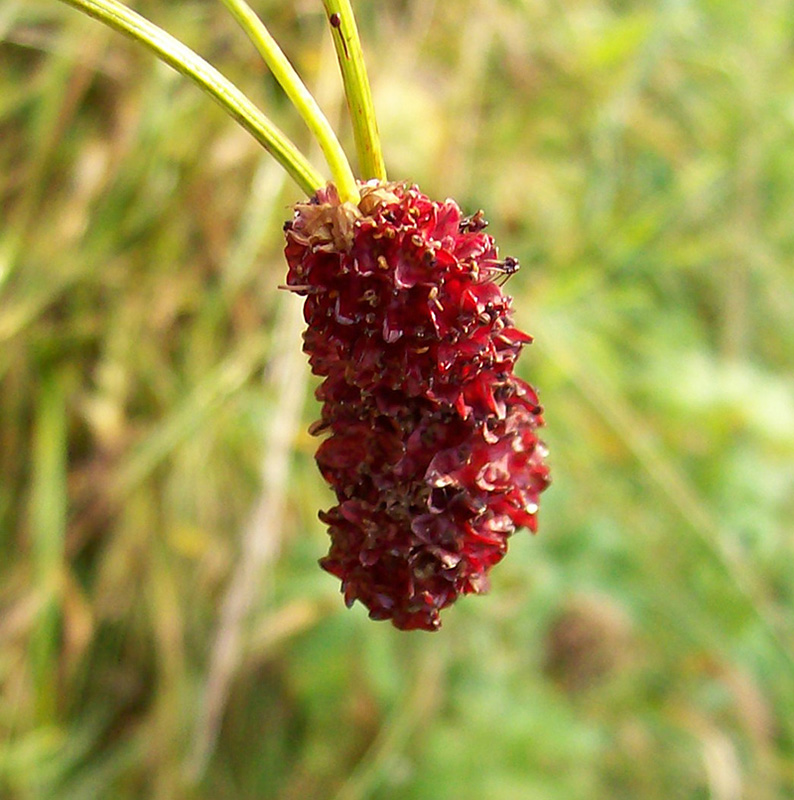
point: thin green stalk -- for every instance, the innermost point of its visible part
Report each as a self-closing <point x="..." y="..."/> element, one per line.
<point x="359" y="95"/>
<point x="48" y="530"/>
<point x="300" y="97"/>
<point x="170" y="50"/>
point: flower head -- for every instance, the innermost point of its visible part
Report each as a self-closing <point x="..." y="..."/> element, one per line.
<point x="431" y="444"/>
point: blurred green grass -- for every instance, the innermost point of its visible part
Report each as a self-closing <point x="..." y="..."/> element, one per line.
<point x="164" y="629"/>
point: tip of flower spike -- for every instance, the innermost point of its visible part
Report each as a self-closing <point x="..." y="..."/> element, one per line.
<point x="432" y="447"/>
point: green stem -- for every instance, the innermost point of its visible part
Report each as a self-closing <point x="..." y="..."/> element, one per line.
<point x="359" y="95"/>
<point x="170" y="50"/>
<point x="300" y="97"/>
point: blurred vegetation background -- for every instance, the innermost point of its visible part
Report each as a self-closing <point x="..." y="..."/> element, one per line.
<point x="165" y="631"/>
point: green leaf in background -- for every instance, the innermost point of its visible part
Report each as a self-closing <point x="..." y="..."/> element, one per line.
<point x="638" y="159"/>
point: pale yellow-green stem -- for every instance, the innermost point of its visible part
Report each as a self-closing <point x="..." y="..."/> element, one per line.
<point x="170" y="50"/>
<point x="300" y="97"/>
<point x="357" y="89"/>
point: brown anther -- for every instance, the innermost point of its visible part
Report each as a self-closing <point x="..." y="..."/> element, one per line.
<point x="474" y="223"/>
<point x="506" y="267"/>
<point x="370" y="296"/>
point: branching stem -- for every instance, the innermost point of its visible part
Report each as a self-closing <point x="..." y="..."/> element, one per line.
<point x="226" y="94"/>
<point x="357" y="89"/>
<point x="299" y="95"/>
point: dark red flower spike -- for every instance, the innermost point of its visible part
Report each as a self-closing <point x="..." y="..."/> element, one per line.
<point x="432" y="449"/>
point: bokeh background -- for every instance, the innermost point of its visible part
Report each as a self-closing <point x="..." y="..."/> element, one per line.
<point x="165" y="631"/>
